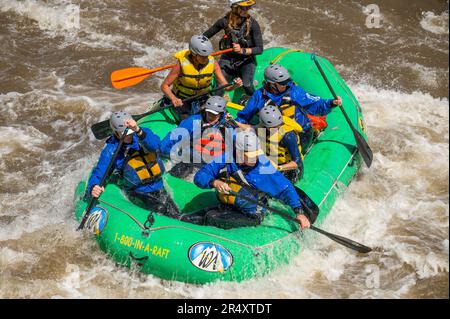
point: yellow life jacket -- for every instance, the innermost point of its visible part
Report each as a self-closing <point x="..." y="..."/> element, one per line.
<point x="142" y="168"/>
<point x="227" y="198"/>
<point x="287" y="108"/>
<point x="273" y="138"/>
<point x="192" y="81"/>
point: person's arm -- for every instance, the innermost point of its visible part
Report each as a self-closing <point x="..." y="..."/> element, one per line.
<point x="205" y="178"/>
<point x="216" y="28"/>
<point x="173" y="137"/>
<point x="222" y="80"/>
<point x="100" y="168"/>
<point x="290" y="197"/>
<point x="279" y="187"/>
<point x="253" y="106"/>
<point x="312" y="104"/>
<point x="257" y="38"/>
<point x="168" y="81"/>
<point x="149" y="140"/>
<point x="238" y="124"/>
<point x="145" y="135"/>
<point x="291" y="142"/>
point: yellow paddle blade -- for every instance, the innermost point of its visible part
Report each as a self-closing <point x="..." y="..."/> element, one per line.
<point x="235" y="106"/>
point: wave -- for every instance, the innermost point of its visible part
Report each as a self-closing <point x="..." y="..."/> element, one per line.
<point x="437" y="24"/>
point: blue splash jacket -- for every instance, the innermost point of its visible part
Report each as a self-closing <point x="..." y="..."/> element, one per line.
<point x="305" y="103"/>
<point x="149" y="141"/>
<point x="263" y="177"/>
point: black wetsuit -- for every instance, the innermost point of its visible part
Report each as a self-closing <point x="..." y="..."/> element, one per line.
<point x="234" y="64"/>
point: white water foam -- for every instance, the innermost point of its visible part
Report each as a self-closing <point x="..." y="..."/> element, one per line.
<point x="59" y="17"/>
<point x="437" y="24"/>
<point x="382" y="208"/>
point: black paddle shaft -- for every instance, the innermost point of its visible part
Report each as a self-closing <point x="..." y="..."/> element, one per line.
<point x="361" y="143"/>
<point x="103" y="180"/>
<point x="102" y="130"/>
<point x="339" y="239"/>
<point x="308" y="204"/>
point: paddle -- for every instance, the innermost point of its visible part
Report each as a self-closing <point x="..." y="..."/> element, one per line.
<point x="123" y="78"/>
<point x="339" y="239"/>
<point x="102" y="129"/>
<point x="361" y="143"/>
<point x="103" y="180"/>
<point x="307" y="202"/>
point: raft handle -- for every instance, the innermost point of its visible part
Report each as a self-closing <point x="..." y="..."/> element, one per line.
<point x="138" y="259"/>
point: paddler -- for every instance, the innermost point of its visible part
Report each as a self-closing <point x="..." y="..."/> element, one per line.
<point x="242" y="33"/>
<point x="207" y="142"/>
<point x="293" y="101"/>
<point x="137" y="166"/>
<point x="192" y="75"/>
<point x="281" y="141"/>
<point x="249" y="173"/>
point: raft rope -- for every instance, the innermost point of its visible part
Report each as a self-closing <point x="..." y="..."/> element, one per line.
<point x="148" y="224"/>
<point x="338" y="177"/>
<point x="126" y="213"/>
<point x="143" y="227"/>
<point x="279" y="56"/>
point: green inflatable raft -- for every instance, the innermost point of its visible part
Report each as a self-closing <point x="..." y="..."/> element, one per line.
<point x="183" y="251"/>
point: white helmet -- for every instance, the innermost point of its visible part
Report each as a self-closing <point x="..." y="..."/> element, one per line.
<point x="243" y="3"/>
<point x="248" y="142"/>
<point x="200" y="45"/>
<point x="276" y="73"/>
<point x="116" y="121"/>
<point x="216" y="105"/>
<point x="270" y="116"/>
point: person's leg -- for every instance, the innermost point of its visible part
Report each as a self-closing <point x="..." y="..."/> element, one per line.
<point x="177" y="112"/>
<point x="247" y="72"/>
<point x="169" y="208"/>
<point x="294" y="175"/>
<point x="181" y="112"/>
<point x="195" y="107"/>
<point x="228" y="71"/>
<point x="249" y="209"/>
<point x="182" y="170"/>
<point x="158" y="201"/>
<point x="227" y="217"/>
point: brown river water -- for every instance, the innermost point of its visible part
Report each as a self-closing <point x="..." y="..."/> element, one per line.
<point x="55" y="61"/>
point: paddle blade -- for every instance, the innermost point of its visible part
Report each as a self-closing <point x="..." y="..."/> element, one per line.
<point x="310" y="208"/>
<point x="101" y="130"/>
<point x="363" y="148"/>
<point x="128" y="77"/>
<point x="344" y="241"/>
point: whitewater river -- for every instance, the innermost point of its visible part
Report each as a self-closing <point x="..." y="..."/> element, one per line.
<point x="55" y="61"/>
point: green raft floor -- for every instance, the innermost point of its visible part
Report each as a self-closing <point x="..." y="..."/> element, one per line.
<point x="176" y="250"/>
